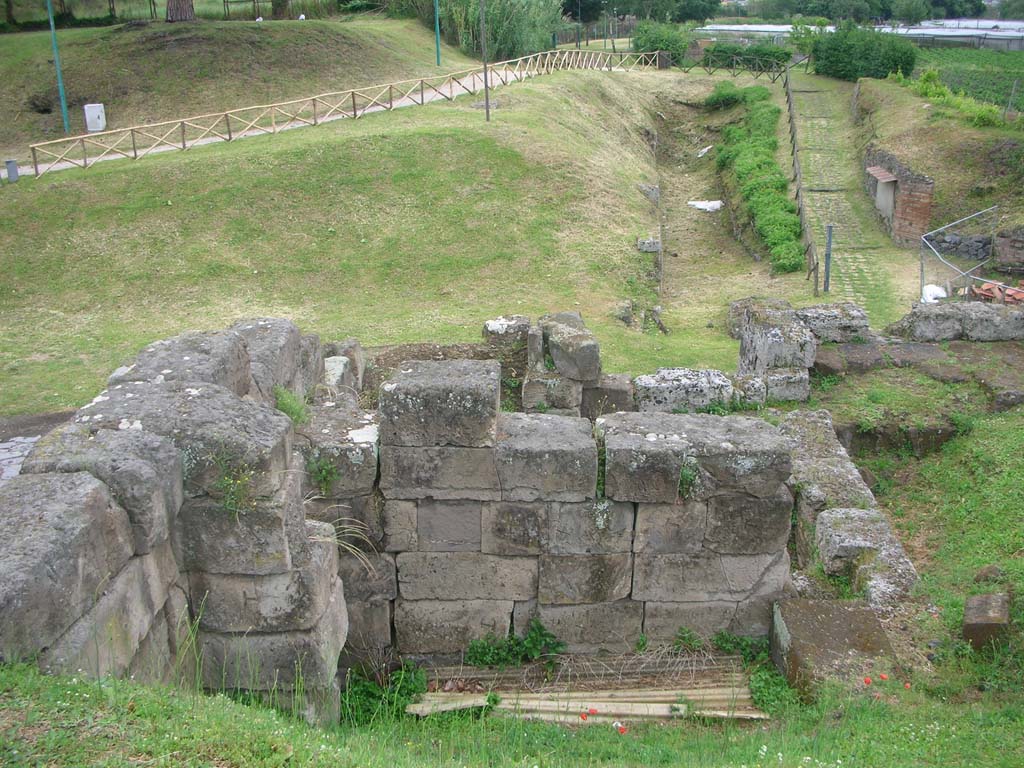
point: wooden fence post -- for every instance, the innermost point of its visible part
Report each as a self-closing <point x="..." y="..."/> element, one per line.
<point x="35" y="162"/>
<point x="135" y="150"/>
<point x="314" y="112"/>
<point x="85" y="155"/>
<point x="183" y="146"/>
<point x="227" y="124"/>
<point x="355" y="113"/>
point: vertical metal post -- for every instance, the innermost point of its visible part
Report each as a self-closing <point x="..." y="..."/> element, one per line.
<point x="828" y="257"/>
<point x="437" y="32"/>
<point x="56" y="64"/>
<point x="1013" y="95"/>
<point x="483" y="54"/>
<point x="924" y="254"/>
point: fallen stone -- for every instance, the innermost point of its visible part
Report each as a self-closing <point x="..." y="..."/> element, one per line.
<point x="339" y="378"/>
<point x="439" y="473"/>
<point x="613" y="394"/>
<point x="663" y="529"/>
<point x="535" y="348"/>
<point x="543" y="457"/>
<point x="448" y="526"/>
<point x="574" y="579"/>
<point x="992" y="322"/>
<point x="448" y="626"/>
<point x="973" y="321"/>
<point x="989" y="573"/>
<point x="572" y="346"/>
<point x="815" y="640"/>
<point x="678" y="390"/>
<point x="544" y="392"/>
<point x="595" y="628"/>
<point x="65" y="537"/>
<point x="465" y="576"/>
<point x="843" y="322"/>
<point x="275" y="351"/>
<point x="353" y="351"/>
<point x="507" y="333"/>
<point x="340" y="447"/>
<point x="648" y="244"/>
<point x="662" y="621"/>
<point x="986" y="619"/>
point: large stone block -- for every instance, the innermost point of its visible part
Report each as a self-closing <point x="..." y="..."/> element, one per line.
<point x="311" y="367"/>
<point x="841" y="323"/>
<point x="105" y="640"/>
<point x="986" y="619"/>
<point x="465" y="576"/>
<point x="220" y="358"/>
<point x="359" y="520"/>
<point x="142" y="471"/>
<point x="663" y="620"/>
<point x="749" y="391"/>
<point x="400" y="526"/>
<point x="276" y="660"/>
<point x="440" y="473"/>
<point x="292" y="600"/>
<point x="547" y="391"/>
<point x="992" y="322"/>
<point x="64" y="538"/>
<point x="448" y="626"/>
<point x="340" y="447"/>
<point x="752" y="309"/>
<point x="507" y="333"/>
<point x="706" y="577"/>
<point x="216" y="431"/>
<point x="152" y="663"/>
<point x="682" y="390"/>
<point x="275" y="351"/>
<point x="352" y="350"/>
<point x="573" y="579"/>
<point x="779" y="342"/>
<point x="572" y="346"/>
<point x="448" y="526"/>
<point x="613" y="394"/>
<point x="787" y="384"/>
<point x="545" y="458"/>
<point x="369" y="626"/>
<point x="670" y="528"/>
<point x="595" y="628"/>
<point x="592" y="527"/>
<point x="739" y="523"/>
<point x="368" y="578"/>
<point x="441" y="403"/>
<point x="515" y="527"/>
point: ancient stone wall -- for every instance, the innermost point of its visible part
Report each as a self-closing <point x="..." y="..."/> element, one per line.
<point x="912" y="199"/>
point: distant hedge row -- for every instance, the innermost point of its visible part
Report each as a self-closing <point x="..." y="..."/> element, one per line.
<point x="748" y="152"/>
<point x="853" y="52"/>
<point x="723" y="54"/>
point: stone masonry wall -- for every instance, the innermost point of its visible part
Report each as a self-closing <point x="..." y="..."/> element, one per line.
<point x="913" y="199"/>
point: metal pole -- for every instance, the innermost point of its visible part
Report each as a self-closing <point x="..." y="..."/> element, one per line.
<point x="1013" y="94"/>
<point x="56" y="63"/>
<point x="483" y="54"/>
<point x="437" y="32"/>
<point x="828" y="257"/>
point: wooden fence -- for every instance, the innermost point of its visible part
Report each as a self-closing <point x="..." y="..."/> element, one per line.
<point x="140" y="140"/>
<point x="806" y="234"/>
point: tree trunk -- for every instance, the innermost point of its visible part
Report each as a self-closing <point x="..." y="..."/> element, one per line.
<point x="279" y="9"/>
<point x="9" y="12"/>
<point x="180" y="10"/>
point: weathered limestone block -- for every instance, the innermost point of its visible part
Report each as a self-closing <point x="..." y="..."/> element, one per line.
<point x="973" y="321"/>
<point x="64" y="538"/>
<point x="448" y="526"/>
<point x="670" y="528"/>
<point x="319" y="707"/>
<point x="351" y="350"/>
<point x="992" y="322"/>
<point x="179" y="620"/>
<point x="220" y="358"/>
<point x="448" y="626"/>
<point x="778" y="343"/>
<point x="359" y="520"/>
<point x="783" y="384"/>
<point x="572" y="346"/>
<point x="507" y="333"/>
<point x="152" y="662"/>
<point x="292" y="600"/>
<point x="465" y="576"/>
<point x="861" y="544"/>
<point x="597" y="627"/>
<point x="545" y="391"/>
<point x="369" y="626"/>
<point x="441" y="403"/>
<point x="142" y="471"/>
<point x="986" y="619"/>
<point x="738" y="523"/>
<point x="440" y="473"/>
<point x="515" y="527"/>
<point x="311" y="366"/>
<point x="106" y="639"/>
<point x="573" y="579"/>
<point x="706" y="576"/>
<point x="682" y="389"/>
<point x="544" y="457"/>
<point x="340" y="447"/>
<point x="400" y="526"/>
<point x="339" y="378"/>
<point x="613" y="393"/>
<point x="370" y="578"/>
<point x="742" y="310"/>
<point x="275" y="349"/>
<point x="841" y="323"/>
<point x="524" y="612"/>
<point x="592" y="527"/>
<point x="212" y="426"/>
<point x="749" y="391"/>
<point x="1008" y="251"/>
<point x="535" y="348"/>
<point x="663" y="620"/>
<point x="813" y="640"/>
<point x="664" y="458"/>
<point x="272" y="661"/>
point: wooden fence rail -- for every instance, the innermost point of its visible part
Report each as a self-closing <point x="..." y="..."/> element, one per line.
<point x="140" y="140"/>
<point x="806" y="233"/>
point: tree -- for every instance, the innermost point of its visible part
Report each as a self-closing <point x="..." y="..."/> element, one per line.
<point x="180" y="10"/>
<point x="695" y="10"/>
<point x="1011" y="9"/>
<point x="858" y="10"/>
<point x="9" y="12"/>
<point x="582" y="10"/>
<point x="911" y="11"/>
<point x="279" y="9"/>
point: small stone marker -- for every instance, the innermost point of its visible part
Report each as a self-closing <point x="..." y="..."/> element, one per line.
<point x="986" y="618"/>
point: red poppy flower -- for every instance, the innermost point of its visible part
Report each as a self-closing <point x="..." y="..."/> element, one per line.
<point x="907" y="686"/>
<point x="884" y="676"/>
<point x="622" y="729"/>
<point x="592" y="711"/>
<point x="867" y="681"/>
<point x="583" y="715"/>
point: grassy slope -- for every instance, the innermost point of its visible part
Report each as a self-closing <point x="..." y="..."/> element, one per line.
<point x="162" y="71"/>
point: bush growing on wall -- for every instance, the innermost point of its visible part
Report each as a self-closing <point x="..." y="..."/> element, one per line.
<point x="651" y="36"/>
<point x="852" y="52"/>
<point x="748" y="152"/>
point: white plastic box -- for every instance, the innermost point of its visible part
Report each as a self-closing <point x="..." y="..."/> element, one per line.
<point x="95" y="118"/>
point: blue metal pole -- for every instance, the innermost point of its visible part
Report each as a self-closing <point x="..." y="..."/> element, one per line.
<point x="437" y="32"/>
<point x="56" y="62"/>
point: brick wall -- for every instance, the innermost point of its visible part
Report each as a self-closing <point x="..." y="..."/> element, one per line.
<point x="913" y="200"/>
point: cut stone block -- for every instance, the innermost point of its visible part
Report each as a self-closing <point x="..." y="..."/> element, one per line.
<point x="319" y="707"/>
<point x="358" y="520"/>
<point x="64" y="538"/>
<point x="273" y="603"/>
<point x="343" y="445"/>
<point x="841" y="323"/>
<point x="142" y="471"/>
<point x="542" y="457"/>
<point x="991" y="322"/>
<point x="440" y="473"/>
<point x="592" y="527"/>
<point x="682" y="390"/>
<point x="339" y="378"/>
<point x="670" y="528"/>
<point x="663" y="620"/>
<point x="275" y="351"/>
<point x="749" y="391"/>
<point x="273" y="661"/>
<point x="369" y="626"/>
<point x="152" y="662"/>
<point x="784" y="384"/>
<point x="524" y="612"/>
<point x="448" y="626"/>
<point x="742" y="524"/>
<point x="106" y="639"/>
<point x="595" y="628"/>
<point x="211" y="426"/>
<point x="448" y="526"/>
<point x="369" y="578"/>
<point x="441" y="403"/>
<point x="974" y="321"/>
<point x="535" y="348"/>
<point x="507" y="333"/>
<point x="986" y="619"/>
<point x="351" y="349"/>
<point x="752" y="309"/>
<point x="400" y="526"/>
<point x="573" y="579"/>
<point x="813" y="640"/>
<point x="613" y="394"/>
<point x="515" y="527"/>
<point x="311" y="367"/>
<point x="220" y="358"/>
<point x="572" y="346"/>
<point x="778" y="342"/>
<point x="544" y="391"/>
<point x="465" y="576"/>
<point x="707" y="577"/>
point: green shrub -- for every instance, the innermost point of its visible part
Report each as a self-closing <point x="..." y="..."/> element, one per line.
<point x="753" y="650"/>
<point x="291" y="405"/>
<point x="537" y="644"/>
<point x="366" y="700"/>
<point x="687" y="641"/>
<point x="852" y="52"/>
<point x="651" y="36"/>
<point x="765" y="55"/>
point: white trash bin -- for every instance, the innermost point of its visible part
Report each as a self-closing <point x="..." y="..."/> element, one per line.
<point x="95" y="118"/>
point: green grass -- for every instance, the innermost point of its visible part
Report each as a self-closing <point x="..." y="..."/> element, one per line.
<point x="980" y="73"/>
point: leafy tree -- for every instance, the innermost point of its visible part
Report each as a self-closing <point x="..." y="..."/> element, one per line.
<point x="912" y="11"/>
<point x="852" y="52"/>
<point x="582" y="10"/>
<point x="959" y="9"/>
<point x="9" y="12"/>
<point x="1011" y="9"/>
<point x="695" y="10"/>
<point x="858" y="10"/>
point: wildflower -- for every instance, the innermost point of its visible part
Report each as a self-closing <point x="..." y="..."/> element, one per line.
<point x="583" y="715"/>
<point x="867" y="681"/>
<point x="884" y="676"/>
<point x="623" y="729"/>
<point x="907" y="686"/>
<point x="592" y="711"/>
